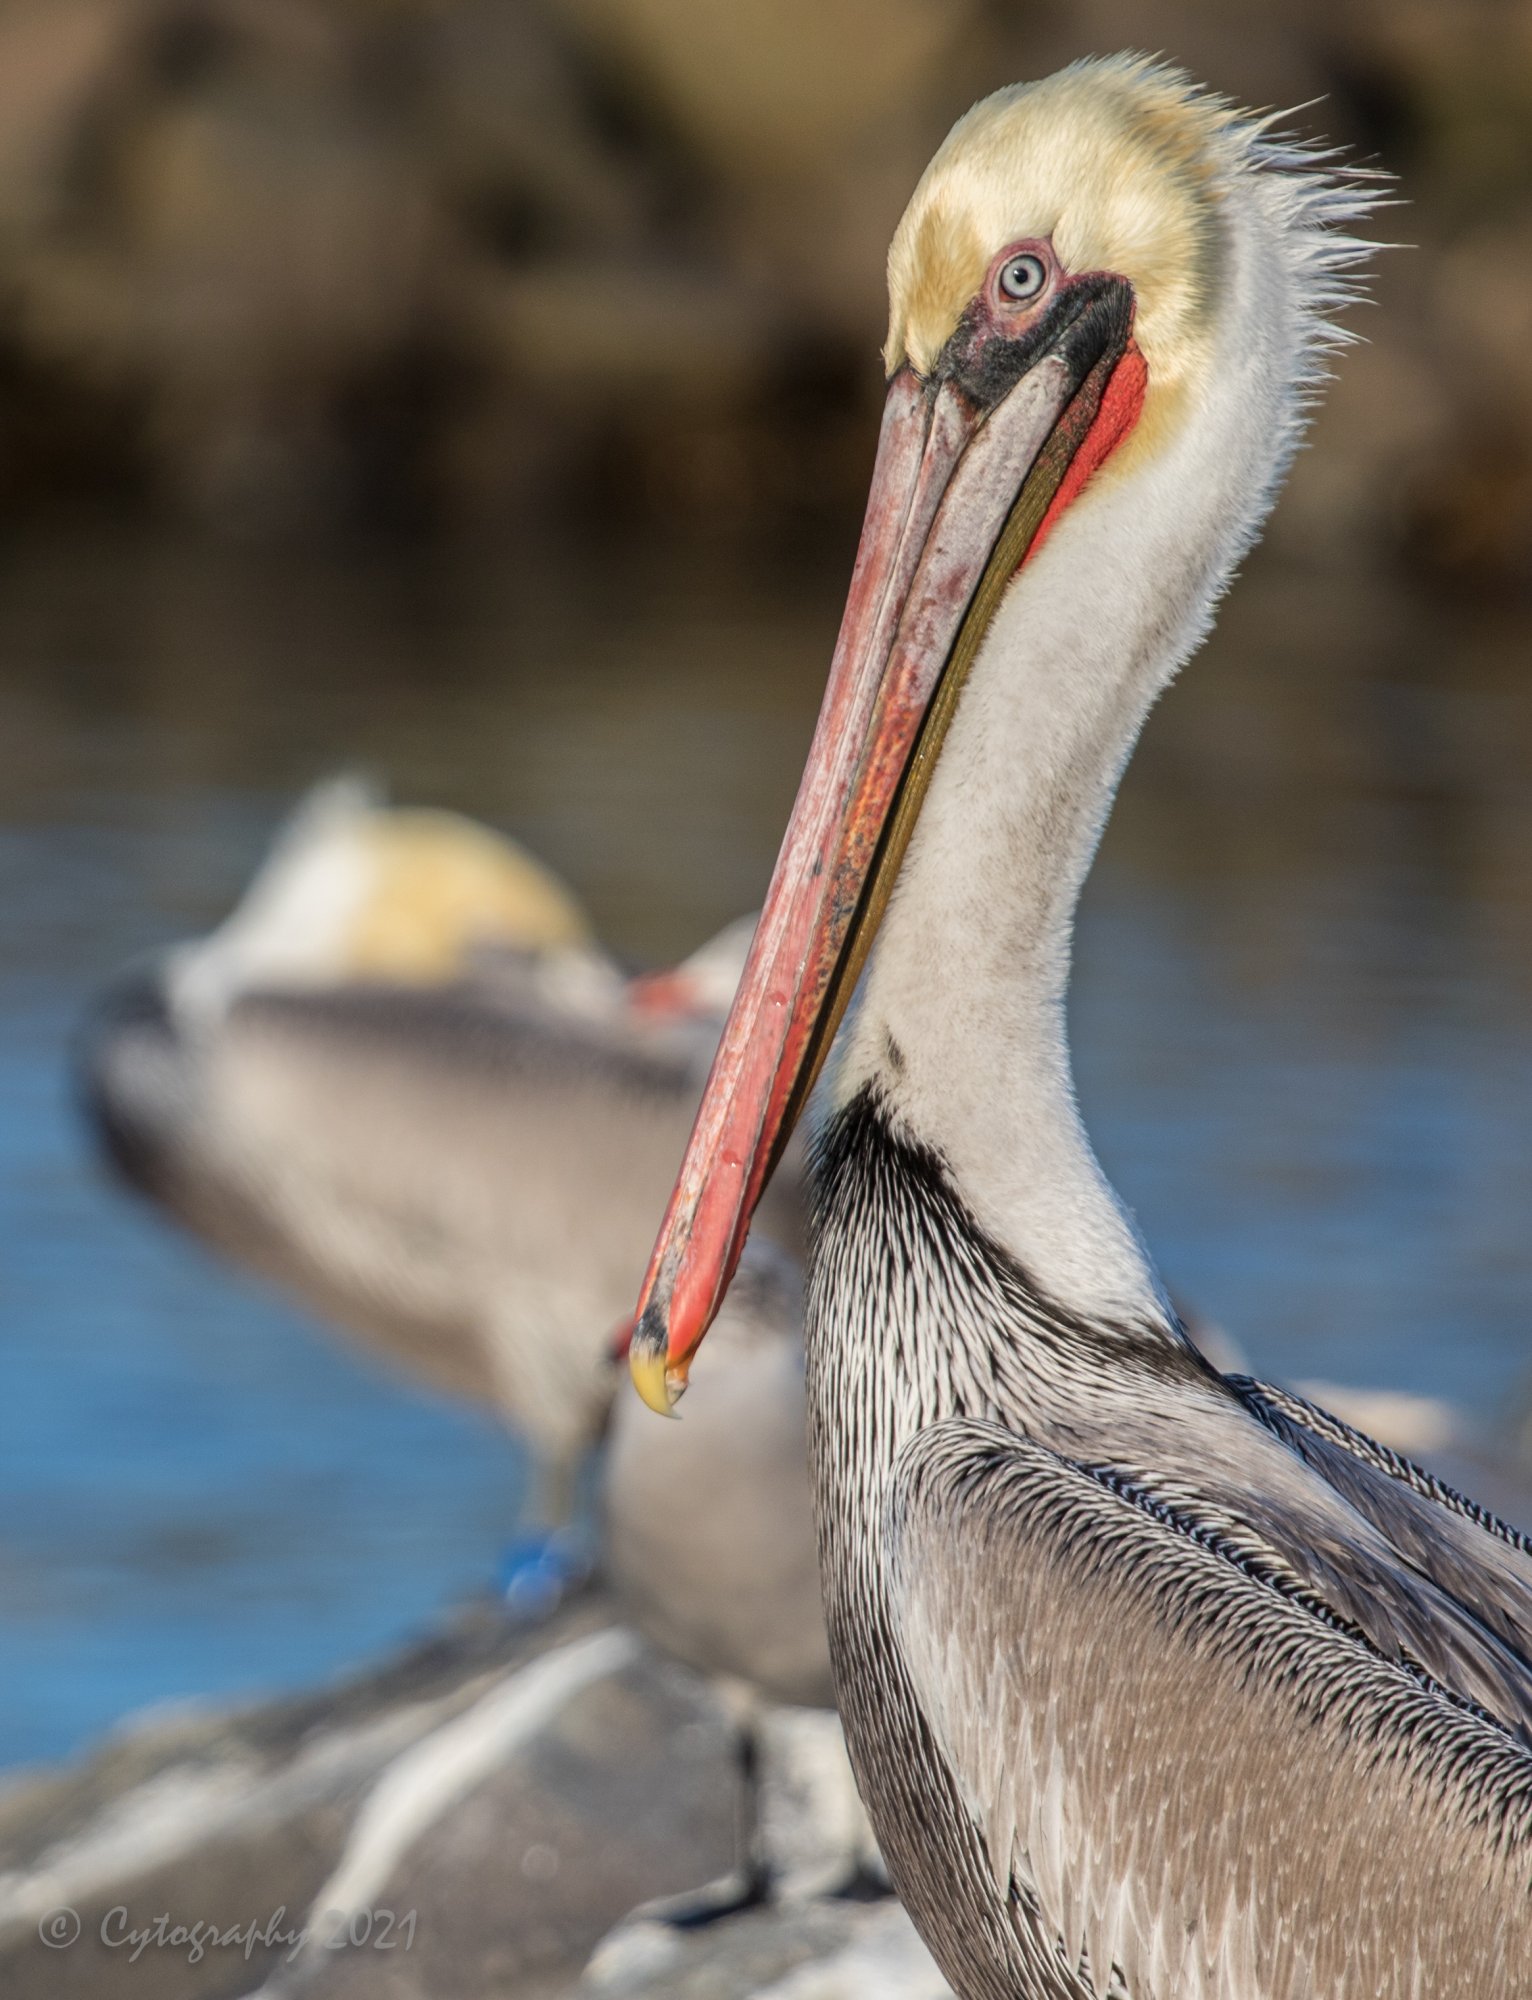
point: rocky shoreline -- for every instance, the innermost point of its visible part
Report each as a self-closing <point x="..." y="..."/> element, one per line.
<point x="477" y="1817"/>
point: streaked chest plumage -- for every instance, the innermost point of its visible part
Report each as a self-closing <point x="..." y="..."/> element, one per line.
<point x="911" y="1320"/>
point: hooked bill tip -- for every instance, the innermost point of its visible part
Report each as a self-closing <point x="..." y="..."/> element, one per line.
<point x="659" y="1381"/>
<point x="651" y="1378"/>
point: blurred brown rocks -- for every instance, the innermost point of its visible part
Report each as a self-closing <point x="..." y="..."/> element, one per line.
<point x="288" y="266"/>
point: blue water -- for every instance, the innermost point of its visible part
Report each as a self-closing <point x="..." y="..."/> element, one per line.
<point x="1303" y="1016"/>
<point x="196" y="1494"/>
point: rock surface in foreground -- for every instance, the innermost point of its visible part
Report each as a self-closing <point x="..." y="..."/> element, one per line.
<point x="518" y="1792"/>
<point x="810" y="1951"/>
<point x="469" y="1823"/>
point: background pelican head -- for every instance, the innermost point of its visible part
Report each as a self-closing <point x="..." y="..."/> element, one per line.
<point x="1109" y="296"/>
<point x="355" y="890"/>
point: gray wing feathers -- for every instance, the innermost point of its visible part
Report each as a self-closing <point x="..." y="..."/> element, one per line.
<point x="1463" y="1547"/>
<point x="1306" y="1427"/>
<point x="470" y="1188"/>
<point x="1193" y="1771"/>
<point x="1306" y="1539"/>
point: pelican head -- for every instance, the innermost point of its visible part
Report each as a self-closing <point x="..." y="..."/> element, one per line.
<point x="356" y="890"/>
<point x="1109" y="288"/>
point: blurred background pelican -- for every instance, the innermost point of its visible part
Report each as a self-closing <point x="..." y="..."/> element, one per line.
<point x="403" y="1081"/>
<point x="482" y="393"/>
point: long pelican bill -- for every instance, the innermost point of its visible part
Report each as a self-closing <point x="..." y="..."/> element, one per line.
<point x="974" y="463"/>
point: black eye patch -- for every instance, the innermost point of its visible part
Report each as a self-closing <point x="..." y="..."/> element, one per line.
<point x="986" y="365"/>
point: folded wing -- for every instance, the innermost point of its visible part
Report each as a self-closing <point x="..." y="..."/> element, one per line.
<point x="1190" y="1763"/>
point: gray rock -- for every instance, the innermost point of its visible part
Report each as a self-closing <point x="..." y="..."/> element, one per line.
<point x="813" y="1830"/>
<point x="808" y="1951"/>
<point x="519" y="1791"/>
<point x="467" y="1823"/>
<point x="510" y="1840"/>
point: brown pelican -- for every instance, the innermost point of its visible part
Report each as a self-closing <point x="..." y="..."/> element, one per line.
<point x="403" y="1082"/>
<point x="1158" y="1682"/>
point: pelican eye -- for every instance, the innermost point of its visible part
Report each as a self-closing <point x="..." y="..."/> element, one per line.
<point x="1022" y="277"/>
